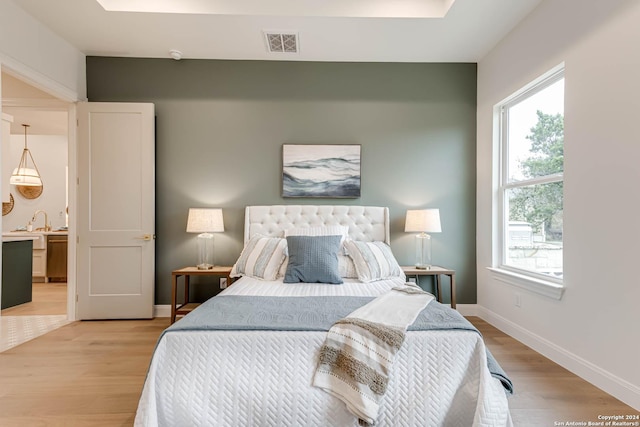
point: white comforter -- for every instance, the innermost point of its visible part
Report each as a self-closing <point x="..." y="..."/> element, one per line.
<point x="263" y="378"/>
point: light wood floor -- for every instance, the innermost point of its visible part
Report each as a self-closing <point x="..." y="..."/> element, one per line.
<point x="84" y="374"/>
<point x="544" y="391"/>
<point x="47" y="299"/>
<point x="24" y="322"/>
<point x="91" y="374"/>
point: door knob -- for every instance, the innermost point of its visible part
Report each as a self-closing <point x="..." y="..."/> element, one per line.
<point x="146" y="237"/>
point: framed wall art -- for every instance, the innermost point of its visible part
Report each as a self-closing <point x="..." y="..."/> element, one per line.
<point x="321" y="171"/>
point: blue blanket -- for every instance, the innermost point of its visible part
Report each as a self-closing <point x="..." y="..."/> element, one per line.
<point x="241" y="313"/>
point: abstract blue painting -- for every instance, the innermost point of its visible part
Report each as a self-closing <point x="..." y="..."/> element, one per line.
<point x="321" y="171"/>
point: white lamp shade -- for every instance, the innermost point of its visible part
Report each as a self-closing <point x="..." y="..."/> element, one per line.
<point x="25" y="176"/>
<point x="202" y="220"/>
<point x="423" y="220"/>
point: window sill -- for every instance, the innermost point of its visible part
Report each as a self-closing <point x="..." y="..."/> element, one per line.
<point x="539" y="286"/>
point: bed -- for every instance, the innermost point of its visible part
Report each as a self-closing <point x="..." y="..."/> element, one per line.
<point x="221" y="366"/>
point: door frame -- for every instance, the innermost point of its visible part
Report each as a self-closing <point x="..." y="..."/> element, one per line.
<point x="63" y="93"/>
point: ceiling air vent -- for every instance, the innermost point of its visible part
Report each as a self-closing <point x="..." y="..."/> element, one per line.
<point x="280" y="42"/>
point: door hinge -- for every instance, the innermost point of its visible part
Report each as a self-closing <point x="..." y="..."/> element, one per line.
<point x="76" y="297"/>
<point x="77" y="239"/>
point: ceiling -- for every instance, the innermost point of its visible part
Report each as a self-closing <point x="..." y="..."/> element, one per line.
<point x="44" y="114"/>
<point x="328" y="30"/>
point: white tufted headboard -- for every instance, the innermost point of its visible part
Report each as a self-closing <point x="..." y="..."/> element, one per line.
<point x="366" y="223"/>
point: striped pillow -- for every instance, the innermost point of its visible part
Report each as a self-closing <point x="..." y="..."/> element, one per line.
<point x="261" y="258"/>
<point x="373" y="260"/>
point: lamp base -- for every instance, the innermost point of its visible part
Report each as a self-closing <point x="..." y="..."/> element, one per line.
<point x="205" y="251"/>
<point x="423" y="251"/>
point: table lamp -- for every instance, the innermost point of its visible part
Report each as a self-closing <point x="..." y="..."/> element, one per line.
<point x="205" y="221"/>
<point x="423" y="221"/>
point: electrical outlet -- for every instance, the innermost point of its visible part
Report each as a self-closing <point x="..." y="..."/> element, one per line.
<point x="223" y="282"/>
<point x="518" y="300"/>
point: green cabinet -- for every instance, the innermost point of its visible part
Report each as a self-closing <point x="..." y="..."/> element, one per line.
<point x="16" y="272"/>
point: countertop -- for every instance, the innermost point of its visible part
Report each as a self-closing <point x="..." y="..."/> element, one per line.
<point x="16" y="236"/>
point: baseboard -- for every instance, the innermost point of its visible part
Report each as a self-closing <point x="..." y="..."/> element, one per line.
<point x="162" y="310"/>
<point x="467" y="309"/>
<point x="604" y="380"/>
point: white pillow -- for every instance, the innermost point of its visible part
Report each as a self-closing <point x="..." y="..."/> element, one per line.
<point x="373" y="260"/>
<point x="328" y="230"/>
<point x="260" y="258"/>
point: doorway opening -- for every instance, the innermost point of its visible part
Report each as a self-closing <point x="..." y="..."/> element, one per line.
<point x="39" y="214"/>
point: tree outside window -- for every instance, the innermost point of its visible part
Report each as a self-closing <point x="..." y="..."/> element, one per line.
<point x="532" y="179"/>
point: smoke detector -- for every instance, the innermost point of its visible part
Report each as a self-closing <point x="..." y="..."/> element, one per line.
<point x="175" y="54"/>
<point x="282" y="41"/>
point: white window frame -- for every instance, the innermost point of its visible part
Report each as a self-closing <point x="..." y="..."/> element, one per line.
<point x="528" y="279"/>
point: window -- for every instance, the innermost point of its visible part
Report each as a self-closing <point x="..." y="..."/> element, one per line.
<point x="531" y="179"/>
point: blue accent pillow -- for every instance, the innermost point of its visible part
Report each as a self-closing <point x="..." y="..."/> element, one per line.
<point x="313" y="259"/>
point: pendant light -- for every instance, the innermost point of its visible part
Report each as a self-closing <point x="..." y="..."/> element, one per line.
<point x="23" y="174"/>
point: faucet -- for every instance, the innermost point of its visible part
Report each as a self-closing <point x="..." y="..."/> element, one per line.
<point x="47" y="226"/>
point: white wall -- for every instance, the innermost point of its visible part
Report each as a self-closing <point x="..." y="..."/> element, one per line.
<point x="594" y="329"/>
<point x="48" y="61"/>
<point x="50" y="153"/>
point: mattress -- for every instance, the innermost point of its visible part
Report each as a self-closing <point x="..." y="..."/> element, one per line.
<point x="263" y="378"/>
<point x="350" y="287"/>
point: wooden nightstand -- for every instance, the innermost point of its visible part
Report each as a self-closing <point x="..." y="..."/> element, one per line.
<point x="187" y="272"/>
<point x="436" y="272"/>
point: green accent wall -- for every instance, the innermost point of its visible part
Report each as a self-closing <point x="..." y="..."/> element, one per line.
<point x="220" y="127"/>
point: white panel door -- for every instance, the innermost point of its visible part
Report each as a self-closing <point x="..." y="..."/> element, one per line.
<point x="116" y="211"/>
